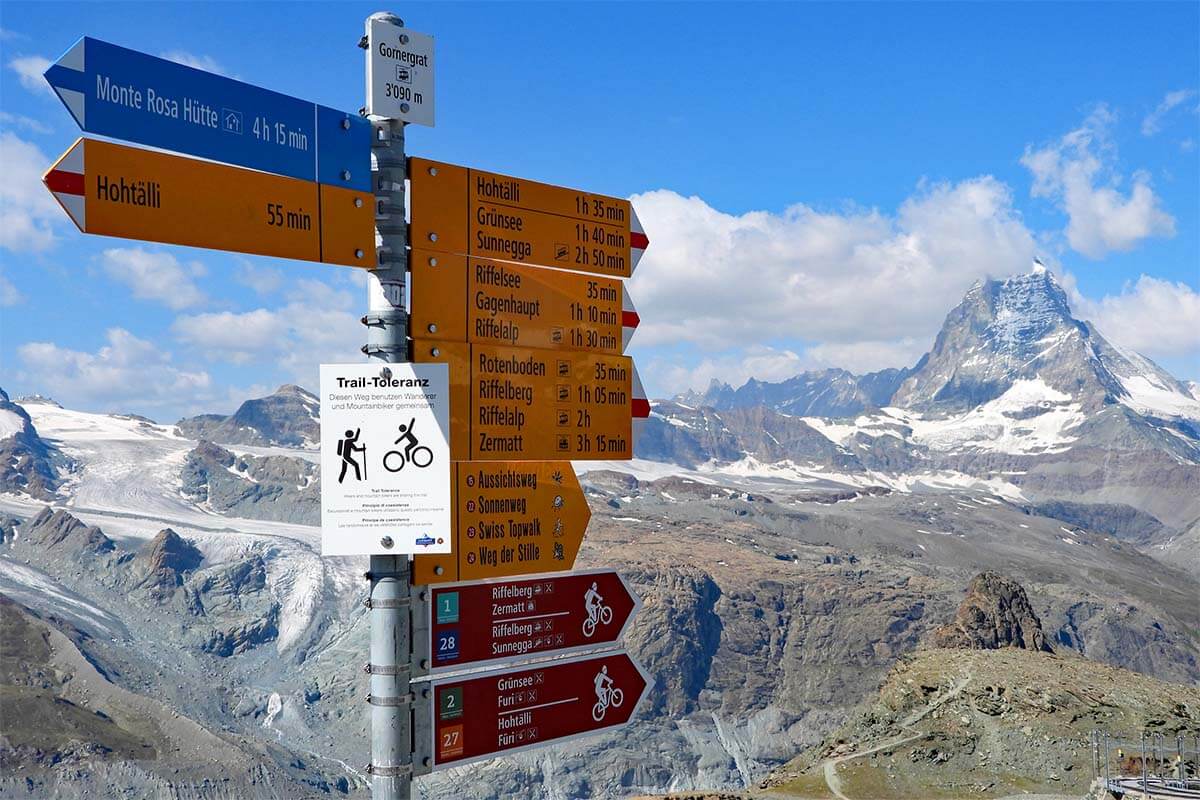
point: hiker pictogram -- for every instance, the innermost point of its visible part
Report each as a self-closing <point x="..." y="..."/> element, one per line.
<point x="346" y="448"/>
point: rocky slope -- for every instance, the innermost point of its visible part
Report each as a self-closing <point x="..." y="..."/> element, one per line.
<point x="27" y="462"/>
<point x="987" y="712"/>
<point x="278" y="487"/>
<point x="290" y="418"/>
<point x="971" y="723"/>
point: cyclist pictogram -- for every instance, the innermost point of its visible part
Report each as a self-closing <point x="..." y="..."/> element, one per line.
<point x="597" y="611"/>
<point x="413" y="453"/>
<point x="607" y="695"/>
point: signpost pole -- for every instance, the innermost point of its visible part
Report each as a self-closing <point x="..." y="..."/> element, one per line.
<point x="387" y="330"/>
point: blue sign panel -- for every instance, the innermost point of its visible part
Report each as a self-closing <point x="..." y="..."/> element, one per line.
<point x="120" y="93"/>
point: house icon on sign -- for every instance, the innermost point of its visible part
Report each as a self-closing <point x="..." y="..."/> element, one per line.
<point x="231" y="121"/>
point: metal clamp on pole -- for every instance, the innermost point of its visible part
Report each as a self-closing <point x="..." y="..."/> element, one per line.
<point x="389" y="669"/>
<point x="397" y="602"/>
<point x="398" y="771"/>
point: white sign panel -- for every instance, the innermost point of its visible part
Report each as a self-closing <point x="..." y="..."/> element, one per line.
<point x="399" y="73"/>
<point x="385" y="459"/>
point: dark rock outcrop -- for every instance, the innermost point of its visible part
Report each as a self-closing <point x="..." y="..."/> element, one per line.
<point x="26" y="461"/>
<point x="279" y="488"/>
<point x="995" y="613"/>
<point x="160" y="566"/>
<point x="59" y="529"/>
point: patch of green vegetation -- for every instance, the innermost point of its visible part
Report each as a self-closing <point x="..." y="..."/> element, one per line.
<point x="810" y="787"/>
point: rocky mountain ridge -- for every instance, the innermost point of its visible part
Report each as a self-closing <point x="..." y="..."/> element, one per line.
<point x="290" y="417"/>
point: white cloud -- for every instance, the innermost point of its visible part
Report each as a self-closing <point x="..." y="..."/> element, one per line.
<point x="27" y="209"/>
<point x="316" y="324"/>
<point x="31" y="72"/>
<point x="9" y="294"/>
<point x="870" y="356"/>
<point x="206" y="63"/>
<point x="666" y="376"/>
<point x="859" y="283"/>
<point x="1152" y="124"/>
<point x="1155" y="317"/>
<point x="19" y="121"/>
<point x="231" y="336"/>
<point x="263" y="280"/>
<point x="156" y="276"/>
<point x="124" y="374"/>
<point x="1077" y="172"/>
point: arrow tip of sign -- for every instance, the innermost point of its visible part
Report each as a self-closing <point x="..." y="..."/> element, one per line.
<point x="65" y="180"/>
<point x="637" y="234"/>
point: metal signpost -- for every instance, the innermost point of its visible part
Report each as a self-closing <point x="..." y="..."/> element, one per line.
<point x="459" y="459"/>
<point x="115" y="190"/>
<point x="510" y="518"/>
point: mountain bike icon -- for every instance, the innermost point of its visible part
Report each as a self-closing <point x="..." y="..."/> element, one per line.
<point x="608" y="696"/>
<point x="593" y="604"/>
<point x="601" y="613"/>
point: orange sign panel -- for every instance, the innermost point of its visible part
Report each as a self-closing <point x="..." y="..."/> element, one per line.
<point x="115" y="190"/>
<point x="464" y="299"/>
<point x="517" y="403"/>
<point x="510" y="518"/>
<point x="470" y="212"/>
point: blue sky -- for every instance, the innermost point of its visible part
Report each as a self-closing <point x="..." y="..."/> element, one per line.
<point x="820" y="183"/>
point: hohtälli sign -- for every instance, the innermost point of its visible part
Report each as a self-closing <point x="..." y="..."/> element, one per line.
<point x="115" y="190"/>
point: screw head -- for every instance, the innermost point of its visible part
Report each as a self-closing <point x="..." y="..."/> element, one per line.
<point x="387" y="542"/>
<point x="433" y="237"/>
<point x="426" y="760"/>
<point x="424" y="663"/>
<point x="438" y="570"/>
<point x="358" y="253"/>
<point x="433" y="262"/>
<point x="346" y="124"/>
<point x="404" y="38"/>
<point x="433" y="171"/>
<point x="432" y="328"/>
<point x="358" y="202"/>
<point x="404" y="107"/>
<point x="345" y="174"/>
<point x="435" y="352"/>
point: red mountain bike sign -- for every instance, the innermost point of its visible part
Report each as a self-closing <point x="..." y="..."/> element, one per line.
<point x="510" y="620"/>
<point x="498" y="712"/>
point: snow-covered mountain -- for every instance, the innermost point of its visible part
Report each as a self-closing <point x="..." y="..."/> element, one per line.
<point x="1015" y="393"/>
